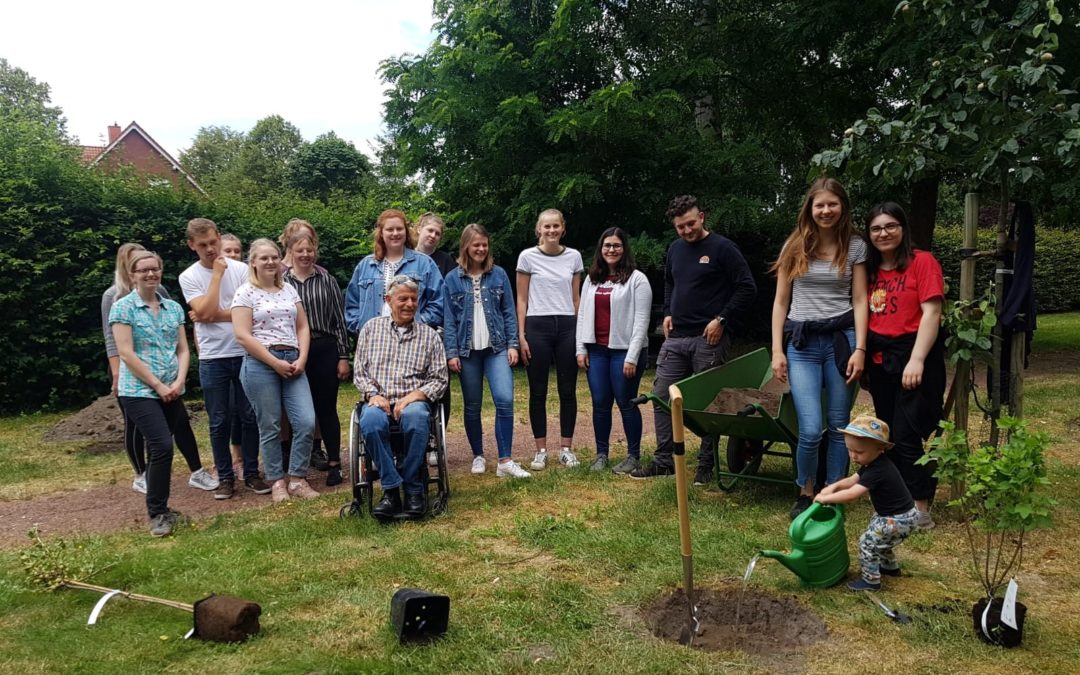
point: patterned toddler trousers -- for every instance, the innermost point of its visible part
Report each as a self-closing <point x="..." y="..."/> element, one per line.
<point x="876" y="545"/>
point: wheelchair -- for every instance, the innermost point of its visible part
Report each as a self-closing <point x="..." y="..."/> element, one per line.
<point x="363" y="472"/>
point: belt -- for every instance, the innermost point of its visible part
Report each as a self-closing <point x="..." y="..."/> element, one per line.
<point x="283" y="348"/>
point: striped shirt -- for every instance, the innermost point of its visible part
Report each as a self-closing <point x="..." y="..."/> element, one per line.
<point x="324" y="305"/>
<point x="393" y="363"/>
<point x="821" y="293"/>
<point x="154" y="338"/>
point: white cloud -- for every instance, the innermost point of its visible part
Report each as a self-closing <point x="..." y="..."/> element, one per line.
<point x="176" y="67"/>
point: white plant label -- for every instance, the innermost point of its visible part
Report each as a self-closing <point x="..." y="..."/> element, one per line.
<point x="100" y="606"/>
<point x="1008" y="607"/>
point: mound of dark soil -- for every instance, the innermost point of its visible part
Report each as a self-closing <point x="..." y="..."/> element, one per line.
<point x="767" y="624"/>
<point x="101" y="422"/>
<point x="732" y="401"/>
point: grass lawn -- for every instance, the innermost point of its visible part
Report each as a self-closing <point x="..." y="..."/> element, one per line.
<point x="544" y="575"/>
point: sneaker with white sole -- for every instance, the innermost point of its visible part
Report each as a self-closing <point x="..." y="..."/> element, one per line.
<point x="539" y="462"/>
<point x="163" y="524"/>
<point x="202" y="480"/>
<point x="511" y="469"/>
<point x="139" y="484"/>
<point x="568" y="458"/>
<point x="479" y="465"/>
<point x="924" y="521"/>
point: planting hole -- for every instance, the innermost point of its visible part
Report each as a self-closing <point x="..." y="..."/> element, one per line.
<point x="769" y="624"/>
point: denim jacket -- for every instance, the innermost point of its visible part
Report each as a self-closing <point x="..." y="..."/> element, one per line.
<point x="498" y="310"/>
<point x="364" y="296"/>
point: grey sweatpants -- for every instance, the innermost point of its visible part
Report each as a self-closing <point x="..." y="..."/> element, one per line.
<point x="876" y="544"/>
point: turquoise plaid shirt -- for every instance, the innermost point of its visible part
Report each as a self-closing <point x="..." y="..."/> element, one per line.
<point x="154" y="338"/>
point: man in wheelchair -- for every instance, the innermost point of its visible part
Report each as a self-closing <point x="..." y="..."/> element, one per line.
<point x="400" y="367"/>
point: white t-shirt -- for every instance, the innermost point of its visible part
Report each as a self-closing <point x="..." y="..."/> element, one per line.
<point x="481" y="337"/>
<point x="273" y="313"/>
<point x="215" y="340"/>
<point x="551" y="280"/>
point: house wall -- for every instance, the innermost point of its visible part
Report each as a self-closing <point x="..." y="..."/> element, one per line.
<point x="136" y="151"/>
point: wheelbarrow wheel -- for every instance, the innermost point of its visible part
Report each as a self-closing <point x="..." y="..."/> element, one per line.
<point x="743" y="457"/>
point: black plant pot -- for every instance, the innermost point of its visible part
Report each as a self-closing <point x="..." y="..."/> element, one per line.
<point x="1000" y="634"/>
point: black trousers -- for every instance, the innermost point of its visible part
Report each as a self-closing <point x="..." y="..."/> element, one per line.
<point x="552" y="340"/>
<point x="135" y="444"/>
<point x="323" y="382"/>
<point x="912" y="415"/>
<point x="157" y="421"/>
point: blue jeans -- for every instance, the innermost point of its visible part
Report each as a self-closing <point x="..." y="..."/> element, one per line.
<point x="810" y="369"/>
<point x="224" y="397"/>
<point x="474" y="368"/>
<point x="269" y="392"/>
<point x="375" y="429"/>
<point x="608" y="385"/>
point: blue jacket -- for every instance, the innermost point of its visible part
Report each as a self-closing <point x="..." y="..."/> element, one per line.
<point x="364" y="296"/>
<point x="498" y="310"/>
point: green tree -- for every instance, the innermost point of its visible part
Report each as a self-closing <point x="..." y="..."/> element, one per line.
<point x="24" y="97"/>
<point x="985" y="107"/>
<point x="214" y="154"/>
<point x="328" y="164"/>
<point x="265" y="154"/>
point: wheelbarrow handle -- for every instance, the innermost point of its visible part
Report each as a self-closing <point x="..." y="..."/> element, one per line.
<point x="639" y="400"/>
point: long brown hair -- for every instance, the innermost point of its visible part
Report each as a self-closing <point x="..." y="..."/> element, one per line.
<point x="802" y="243"/>
<point x="380" y="245"/>
<point x="474" y="231"/>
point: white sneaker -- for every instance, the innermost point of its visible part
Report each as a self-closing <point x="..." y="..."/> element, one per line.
<point x="511" y="469"/>
<point x="478" y="464"/>
<point x="432" y="458"/>
<point x="568" y="458"/>
<point x="539" y="462"/>
<point x="202" y="480"/>
<point x="139" y="484"/>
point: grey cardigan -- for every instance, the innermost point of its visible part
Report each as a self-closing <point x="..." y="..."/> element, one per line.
<point x="631" y="305"/>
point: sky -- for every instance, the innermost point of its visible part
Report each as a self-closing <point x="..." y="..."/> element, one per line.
<point x="176" y="67"/>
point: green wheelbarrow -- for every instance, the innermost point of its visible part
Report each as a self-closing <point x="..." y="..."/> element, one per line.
<point x="753" y="433"/>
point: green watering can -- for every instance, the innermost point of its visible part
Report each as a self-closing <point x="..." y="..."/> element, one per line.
<point x="819" y="554"/>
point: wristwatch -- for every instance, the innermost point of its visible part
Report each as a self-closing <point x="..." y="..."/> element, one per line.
<point x="721" y="320"/>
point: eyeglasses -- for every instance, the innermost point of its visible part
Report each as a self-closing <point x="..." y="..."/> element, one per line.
<point x="878" y="230"/>
<point x="149" y="270"/>
<point x="612" y="247"/>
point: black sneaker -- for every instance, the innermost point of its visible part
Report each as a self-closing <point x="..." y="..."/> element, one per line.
<point x="257" y="485"/>
<point x="319" y="461"/>
<point x="802" y="503"/>
<point x="333" y="476"/>
<point x="704" y="476"/>
<point x="652" y="471"/>
<point x="225" y="489"/>
<point x="863" y="585"/>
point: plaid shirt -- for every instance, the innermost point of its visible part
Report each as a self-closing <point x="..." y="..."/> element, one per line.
<point x="392" y="365"/>
<point x="154" y="339"/>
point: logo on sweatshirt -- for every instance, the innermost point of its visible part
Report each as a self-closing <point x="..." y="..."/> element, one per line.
<point x="703" y="260"/>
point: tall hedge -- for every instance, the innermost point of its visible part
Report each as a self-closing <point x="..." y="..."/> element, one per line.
<point x="60" y="225"/>
<point x="1057" y="274"/>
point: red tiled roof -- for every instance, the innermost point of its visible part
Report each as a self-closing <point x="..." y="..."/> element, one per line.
<point x="91" y="152"/>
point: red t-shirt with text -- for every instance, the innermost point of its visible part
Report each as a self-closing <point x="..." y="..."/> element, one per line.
<point x="896" y="295"/>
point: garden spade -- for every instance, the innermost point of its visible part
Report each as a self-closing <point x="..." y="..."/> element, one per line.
<point x="898" y="617"/>
<point x="678" y="437"/>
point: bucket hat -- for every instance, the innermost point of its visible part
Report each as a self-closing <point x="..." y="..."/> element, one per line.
<point x="867" y="426"/>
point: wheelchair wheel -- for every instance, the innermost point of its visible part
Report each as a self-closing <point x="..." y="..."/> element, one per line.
<point x="360" y="473"/>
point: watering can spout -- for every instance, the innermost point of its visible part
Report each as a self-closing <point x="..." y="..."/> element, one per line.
<point x="794" y="561"/>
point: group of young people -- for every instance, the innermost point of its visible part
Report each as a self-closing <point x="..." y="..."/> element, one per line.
<point x="273" y="345"/>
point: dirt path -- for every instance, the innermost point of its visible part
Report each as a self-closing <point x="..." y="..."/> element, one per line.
<point x="109" y="508"/>
<point x="116" y="507"/>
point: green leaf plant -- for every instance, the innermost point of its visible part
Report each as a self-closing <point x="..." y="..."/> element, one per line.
<point x="1004" y="494"/>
